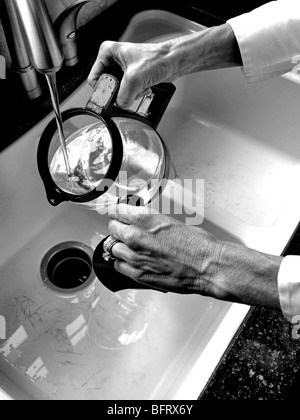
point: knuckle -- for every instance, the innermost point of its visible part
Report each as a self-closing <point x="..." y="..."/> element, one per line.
<point x="136" y="261"/>
<point x="143" y="216"/>
<point x="107" y="45"/>
<point x="130" y="237"/>
<point x="138" y="242"/>
<point x="107" y="51"/>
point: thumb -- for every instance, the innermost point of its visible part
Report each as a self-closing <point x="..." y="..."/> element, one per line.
<point x="127" y="93"/>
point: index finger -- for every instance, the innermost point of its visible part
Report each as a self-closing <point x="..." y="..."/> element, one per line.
<point x="102" y="62"/>
<point x="95" y="73"/>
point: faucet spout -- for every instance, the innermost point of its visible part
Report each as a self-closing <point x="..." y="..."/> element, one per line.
<point x="42" y="44"/>
<point x="65" y="28"/>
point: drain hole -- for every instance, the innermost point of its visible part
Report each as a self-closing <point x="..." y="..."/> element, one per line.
<point x="69" y="268"/>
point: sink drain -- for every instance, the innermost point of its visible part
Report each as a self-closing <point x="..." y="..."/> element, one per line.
<point x="67" y="268"/>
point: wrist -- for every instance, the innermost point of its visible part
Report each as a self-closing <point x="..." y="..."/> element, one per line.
<point x="247" y="276"/>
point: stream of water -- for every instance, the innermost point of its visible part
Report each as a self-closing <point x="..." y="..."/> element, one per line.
<point x="51" y="79"/>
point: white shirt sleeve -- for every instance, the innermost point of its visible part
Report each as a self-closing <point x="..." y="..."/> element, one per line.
<point x="269" y="39"/>
<point x="289" y="286"/>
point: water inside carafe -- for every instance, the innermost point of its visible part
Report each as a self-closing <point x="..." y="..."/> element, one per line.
<point x="89" y="153"/>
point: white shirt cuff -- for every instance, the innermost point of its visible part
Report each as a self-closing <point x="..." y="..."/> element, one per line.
<point x="268" y="38"/>
<point x="289" y="286"/>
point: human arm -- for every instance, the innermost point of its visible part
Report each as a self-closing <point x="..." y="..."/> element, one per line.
<point x="145" y="65"/>
<point x="165" y="254"/>
<point x="264" y="42"/>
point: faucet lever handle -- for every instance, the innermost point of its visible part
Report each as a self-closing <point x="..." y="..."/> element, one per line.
<point x="65" y="27"/>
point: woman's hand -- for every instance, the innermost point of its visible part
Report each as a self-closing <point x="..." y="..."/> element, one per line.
<point x="144" y="65"/>
<point x="162" y="252"/>
<point x="165" y="254"/>
<point x="147" y="64"/>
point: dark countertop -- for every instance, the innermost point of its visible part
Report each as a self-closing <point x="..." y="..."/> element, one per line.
<point x="262" y="361"/>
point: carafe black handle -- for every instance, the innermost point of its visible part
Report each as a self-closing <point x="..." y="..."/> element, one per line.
<point x="151" y="107"/>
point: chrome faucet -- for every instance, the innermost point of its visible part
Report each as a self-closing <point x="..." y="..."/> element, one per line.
<point x="42" y="44"/>
<point x="34" y="44"/>
<point x="21" y="64"/>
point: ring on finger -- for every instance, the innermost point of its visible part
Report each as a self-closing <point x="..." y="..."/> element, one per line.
<point x="107" y="248"/>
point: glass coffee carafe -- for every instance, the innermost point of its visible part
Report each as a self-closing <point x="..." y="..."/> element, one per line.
<point x="112" y="153"/>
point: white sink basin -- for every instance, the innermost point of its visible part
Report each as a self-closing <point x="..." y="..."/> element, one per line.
<point x="243" y="141"/>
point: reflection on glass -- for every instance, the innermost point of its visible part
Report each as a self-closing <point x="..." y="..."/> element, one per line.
<point x="143" y="153"/>
<point x="37" y="371"/>
<point x="77" y="330"/>
<point x="121" y="319"/>
<point x="89" y="151"/>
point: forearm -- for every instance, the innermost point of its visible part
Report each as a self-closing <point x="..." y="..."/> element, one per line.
<point x="247" y="276"/>
<point x="205" y="50"/>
